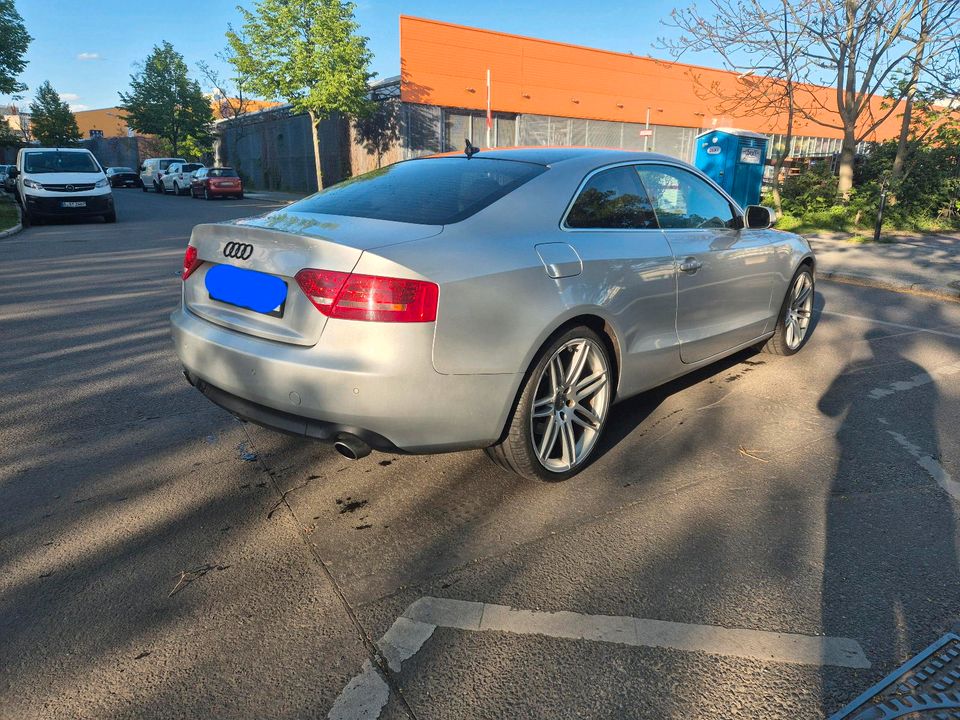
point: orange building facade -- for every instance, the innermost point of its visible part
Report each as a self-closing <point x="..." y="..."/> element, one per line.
<point x="545" y="92"/>
<point x="105" y="122"/>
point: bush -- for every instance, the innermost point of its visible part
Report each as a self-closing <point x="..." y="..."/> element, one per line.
<point x="813" y="190"/>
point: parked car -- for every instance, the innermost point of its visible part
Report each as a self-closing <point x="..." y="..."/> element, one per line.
<point x="152" y="170"/>
<point x="177" y="177"/>
<point x="210" y="183"/>
<point x="7" y="183"/>
<point x="123" y="177"/>
<point x="59" y="182"/>
<point x="503" y="301"/>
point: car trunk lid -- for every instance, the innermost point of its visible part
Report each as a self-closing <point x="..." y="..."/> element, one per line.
<point x="280" y="245"/>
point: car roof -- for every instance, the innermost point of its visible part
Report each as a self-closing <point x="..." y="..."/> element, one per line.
<point x="545" y="155"/>
<point x="55" y="149"/>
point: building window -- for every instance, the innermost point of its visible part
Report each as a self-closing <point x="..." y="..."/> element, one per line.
<point x="461" y="124"/>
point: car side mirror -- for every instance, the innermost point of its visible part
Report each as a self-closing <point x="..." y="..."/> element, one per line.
<point x="12" y="172"/>
<point x="758" y="217"/>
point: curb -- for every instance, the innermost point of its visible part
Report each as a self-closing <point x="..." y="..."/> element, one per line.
<point x="255" y="195"/>
<point x="937" y="291"/>
<point x="16" y="228"/>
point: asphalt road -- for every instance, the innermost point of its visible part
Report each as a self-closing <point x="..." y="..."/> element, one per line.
<point x="160" y="559"/>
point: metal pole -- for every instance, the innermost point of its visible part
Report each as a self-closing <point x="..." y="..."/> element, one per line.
<point x="883" y="204"/>
<point x="489" y="110"/>
<point x="647" y="127"/>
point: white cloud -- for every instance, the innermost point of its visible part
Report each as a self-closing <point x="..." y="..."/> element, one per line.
<point x="88" y="56"/>
<point x="77" y="107"/>
<point x="69" y="96"/>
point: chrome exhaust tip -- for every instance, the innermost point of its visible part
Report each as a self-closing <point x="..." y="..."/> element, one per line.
<point x="351" y="447"/>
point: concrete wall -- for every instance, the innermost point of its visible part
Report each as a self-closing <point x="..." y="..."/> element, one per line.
<point x="109" y="152"/>
<point x="114" y="151"/>
<point x="273" y="150"/>
<point x="417" y="133"/>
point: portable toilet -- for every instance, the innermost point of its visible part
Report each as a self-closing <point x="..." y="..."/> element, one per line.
<point x="734" y="160"/>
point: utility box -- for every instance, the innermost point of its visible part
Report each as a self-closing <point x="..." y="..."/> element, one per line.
<point x="734" y="160"/>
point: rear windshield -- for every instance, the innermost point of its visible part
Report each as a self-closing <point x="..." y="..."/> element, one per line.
<point x="122" y="170"/>
<point x="59" y="162"/>
<point x="437" y="191"/>
<point x="222" y="172"/>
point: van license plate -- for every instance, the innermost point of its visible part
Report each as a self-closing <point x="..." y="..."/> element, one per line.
<point x="72" y="204"/>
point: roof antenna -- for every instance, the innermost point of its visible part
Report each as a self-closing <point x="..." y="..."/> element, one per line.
<point x="470" y="150"/>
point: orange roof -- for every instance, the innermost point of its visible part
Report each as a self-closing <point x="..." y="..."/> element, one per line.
<point x="446" y="64"/>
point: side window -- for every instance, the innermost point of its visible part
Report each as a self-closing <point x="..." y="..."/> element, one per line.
<point x="612" y="198"/>
<point x="682" y="200"/>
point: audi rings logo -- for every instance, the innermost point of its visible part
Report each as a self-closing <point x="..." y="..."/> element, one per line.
<point x="238" y="251"/>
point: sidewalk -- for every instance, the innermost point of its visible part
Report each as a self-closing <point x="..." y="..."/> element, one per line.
<point x="280" y="197"/>
<point x="927" y="263"/>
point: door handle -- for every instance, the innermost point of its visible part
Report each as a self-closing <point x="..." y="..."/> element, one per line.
<point x="690" y="265"/>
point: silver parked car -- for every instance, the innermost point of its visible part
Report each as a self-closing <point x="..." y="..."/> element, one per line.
<point x="501" y="301"/>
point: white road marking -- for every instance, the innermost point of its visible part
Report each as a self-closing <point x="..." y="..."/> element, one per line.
<point x="930" y="464"/>
<point x="412" y="629"/>
<point x="404" y="638"/>
<point x="916" y="381"/>
<point x="891" y="324"/>
<point x="363" y="698"/>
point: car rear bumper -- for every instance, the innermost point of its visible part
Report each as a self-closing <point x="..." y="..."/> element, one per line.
<point x="53" y="206"/>
<point x="218" y="191"/>
<point x="379" y="384"/>
<point x="285" y="422"/>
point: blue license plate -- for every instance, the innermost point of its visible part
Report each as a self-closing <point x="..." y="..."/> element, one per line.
<point x="249" y="289"/>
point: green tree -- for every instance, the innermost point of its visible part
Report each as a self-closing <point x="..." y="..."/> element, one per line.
<point x="51" y="120"/>
<point x="308" y="53"/>
<point x="165" y="102"/>
<point x="14" y="41"/>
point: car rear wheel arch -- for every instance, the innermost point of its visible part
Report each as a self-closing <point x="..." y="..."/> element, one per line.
<point x="596" y="323"/>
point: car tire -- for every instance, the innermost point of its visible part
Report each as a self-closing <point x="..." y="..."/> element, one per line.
<point x="548" y="415"/>
<point x="795" y="316"/>
<point x="240" y="196"/>
<point x="158" y="188"/>
<point x="143" y="186"/>
<point x="207" y="195"/>
<point x="110" y="217"/>
<point x="176" y="190"/>
<point x="25" y="219"/>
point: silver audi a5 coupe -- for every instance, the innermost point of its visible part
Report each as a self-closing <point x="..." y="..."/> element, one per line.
<point x="502" y="301"/>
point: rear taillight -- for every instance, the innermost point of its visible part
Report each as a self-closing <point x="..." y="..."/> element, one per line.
<point x="190" y="262"/>
<point x="369" y="297"/>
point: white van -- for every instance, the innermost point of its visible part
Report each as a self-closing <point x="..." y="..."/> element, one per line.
<point x="152" y="171"/>
<point x="58" y="182"/>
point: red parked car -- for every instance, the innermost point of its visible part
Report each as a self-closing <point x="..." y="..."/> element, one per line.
<point x="210" y="183"/>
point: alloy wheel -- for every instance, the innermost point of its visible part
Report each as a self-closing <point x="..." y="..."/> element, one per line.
<point x="799" y="310"/>
<point x="570" y="405"/>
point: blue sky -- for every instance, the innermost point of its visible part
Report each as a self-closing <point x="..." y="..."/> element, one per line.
<point x="87" y="50"/>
